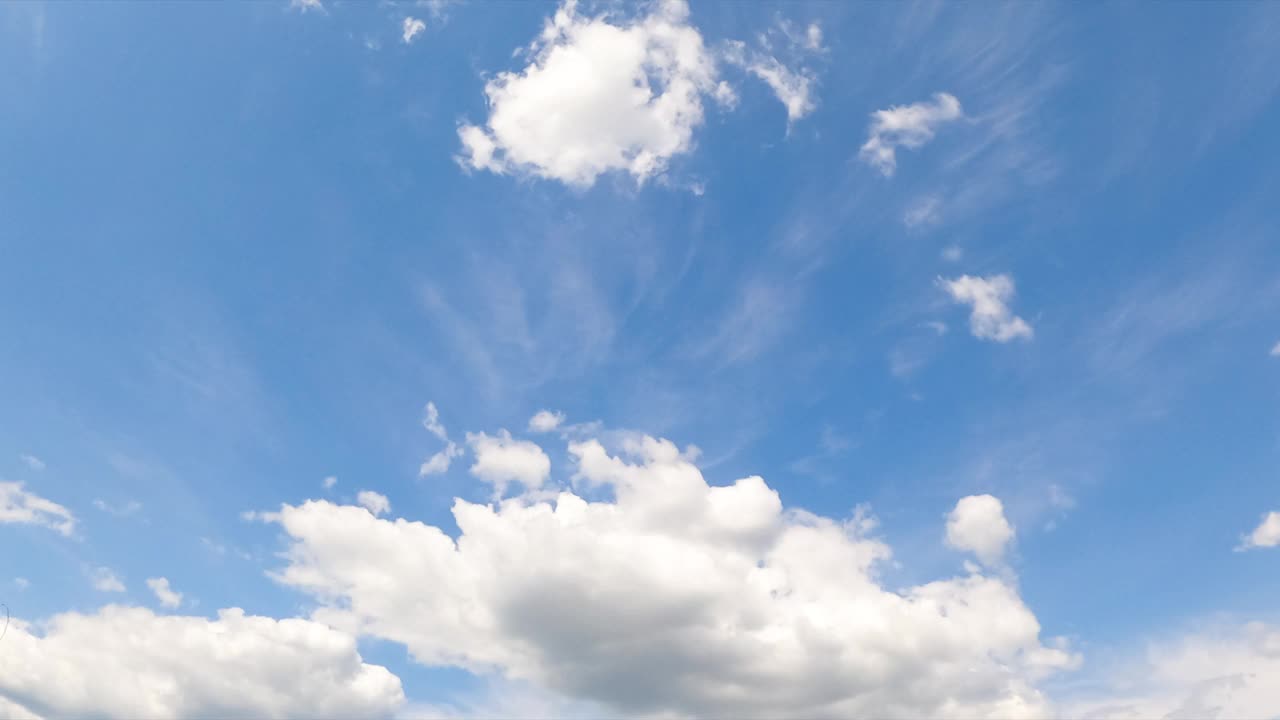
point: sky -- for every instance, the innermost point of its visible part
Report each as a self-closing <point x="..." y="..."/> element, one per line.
<point x="518" y="359"/>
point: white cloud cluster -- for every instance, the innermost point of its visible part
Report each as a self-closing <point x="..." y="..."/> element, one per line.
<point x="907" y="126"/>
<point x="18" y="505"/>
<point x="439" y="462"/>
<point x="1221" y="672"/>
<point x="411" y="28"/>
<point x="793" y="86"/>
<point x="597" y="97"/>
<point x="501" y="459"/>
<point x="167" y="596"/>
<point x="990" y="317"/>
<point x="1266" y="535"/>
<point x="674" y="596"/>
<point x="127" y="662"/>
<point x="977" y="524"/>
<point x="545" y="421"/>
<point x="374" y="502"/>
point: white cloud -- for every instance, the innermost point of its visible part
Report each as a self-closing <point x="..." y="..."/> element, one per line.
<point x="431" y="421"/>
<point x="128" y="662"/>
<point x="412" y="27"/>
<point x="1220" y="672"/>
<point x="376" y="503"/>
<point x="35" y="463"/>
<point x="673" y="596"/>
<point x="1266" y="535"/>
<point x="306" y="6"/>
<point x="597" y="97"/>
<point x="793" y="84"/>
<point x="128" y="508"/>
<point x="952" y="253"/>
<point x="922" y="212"/>
<point x="440" y="462"/>
<point x="167" y="596"/>
<point x="990" y="318"/>
<point x="977" y="524"/>
<point x="22" y="583"/>
<point x="1275" y="350"/>
<point x="329" y="482"/>
<point x="813" y="37"/>
<point x="794" y="88"/>
<point x="105" y="580"/>
<point x="21" y="506"/>
<point x="907" y="126"/>
<point x="501" y="459"/>
<point x="545" y="421"/>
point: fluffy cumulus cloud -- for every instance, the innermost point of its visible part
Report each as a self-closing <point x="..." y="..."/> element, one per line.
<point x="977" y="525"/>
<point x="127" y="662"/>
<point x="411" y="28"/>
<point x="1266" y="535"/>
<point x="990" y="317"/>
<point x="906" y="126"/>
<point x="501" y="460"/>
<point x="545" y="421"/>
<point x="672" y="595"/>
<point x="1219" y="672"/>
<point x="18" y="505"/>
<point x="105" y="580"/>
<point x="167" y="596"/>
<point x="376" y="503"/>
<point x="596" y="97"/>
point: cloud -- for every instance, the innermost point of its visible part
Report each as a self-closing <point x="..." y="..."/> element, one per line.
<point x="977" y="525"/>
<point x="128" y="508"/>
<point x="306" y="6"/>
<point x="907" y="126"/>
<point x="21" y="506"/>
<point x="431" y="421"/>
<point x="597" y="97"/>
<point x="545" y="421"/>
<point x="501" y="459"/>
<point x="924" y="211"/>
<point x="673" y="596"/>
<point x="376" y="503"/>
<point x="952" y="253"/>
<point x="990" y="318"/>
<point x="440" y="462"/>
<point x="792" y="83"/>
<point x="1275" y="351"/>
<point x="22" y="583"/>
<point x="412" y="27"/>
<point x="167" y="596"/>
<point x="1266" y="535"/>
<point x="105" y="580"/>
<point x="1221" y="672"/>
<point x="35" y="463"/>
<point x="329" y="482"/>
<point x="128" y="662"/>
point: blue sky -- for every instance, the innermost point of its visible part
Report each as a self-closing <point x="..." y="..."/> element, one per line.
<point x="884" y="256"/>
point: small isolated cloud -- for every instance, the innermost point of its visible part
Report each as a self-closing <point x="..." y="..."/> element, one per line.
<point x="129" y="662"/>
<point x="1266" y="535"/>
<point x="22" y="583"/>
<point x="329" y="482"/>
<point x="990" y="318"/>
<point x="545" y="421"/>
<point x="374" y="502"/>
<point x="952" y="253"/>
<point x="35" y="463"/>
<point x="922" y="212"/>
<point x="306" y="6"/>
<point x="411" y="28"/>
<point x="123" y="510"/>
<point x="440" y="462"/>
<point x="104" y="580"/>
<point x="1275" y="352"/>
<point x="906" y="126"/>
<point x="597" y="96"/>
<point x="501" y="459"/>
<point x="21" y="506"/>
<point x="167" y="596"/>
<point x="977" y="525"/>
<point x="431" y="421"/>
<point x="792" y="82"/>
